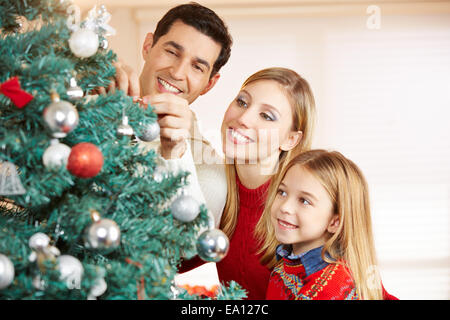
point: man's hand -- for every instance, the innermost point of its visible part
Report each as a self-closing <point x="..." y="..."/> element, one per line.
<point x="174" y="119"/>
<point x="174" y="115"/>
<point x="126" y="79"/>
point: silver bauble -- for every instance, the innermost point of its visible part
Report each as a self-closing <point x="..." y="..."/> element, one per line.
<point x="124" y="129"/>
<point x="150" y="132"/>
<point x="6" y="271"/>
<point x="84" y="43"/>
<point x="61" y="117"/>
<point x="212" y="245"/>
<point x="56" y="155"/>
<point x="185" y="208"/>
<point x="103" y="235"/>
<point x="74" y="92"/>
<point x="71" y="271"/>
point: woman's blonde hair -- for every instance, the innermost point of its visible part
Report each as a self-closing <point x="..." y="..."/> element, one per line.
<point x="301" y="98"/>
<point x="353" y="242"/>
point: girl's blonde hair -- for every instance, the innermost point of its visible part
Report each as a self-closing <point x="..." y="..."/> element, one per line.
<point x="301" y="98"/>
<point x="353" y="242"/>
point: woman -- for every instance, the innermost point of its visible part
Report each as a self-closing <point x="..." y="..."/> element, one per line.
<point x="269" y="121"/>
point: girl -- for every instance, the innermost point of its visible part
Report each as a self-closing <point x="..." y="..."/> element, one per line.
<point x="318" y="209"/>
<point x="270" y="119"/>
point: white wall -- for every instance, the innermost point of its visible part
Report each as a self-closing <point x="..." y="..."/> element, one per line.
<point x="383" y="99"/>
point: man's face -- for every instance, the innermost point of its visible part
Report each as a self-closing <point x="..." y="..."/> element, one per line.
<point x="180" y="62"/>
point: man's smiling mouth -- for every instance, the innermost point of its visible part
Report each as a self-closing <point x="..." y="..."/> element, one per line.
<point x="168" y="87"/>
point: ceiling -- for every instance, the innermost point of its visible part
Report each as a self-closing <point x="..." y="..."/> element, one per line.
<point x="250" y="3"/>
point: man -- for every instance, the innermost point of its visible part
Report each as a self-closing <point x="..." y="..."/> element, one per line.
<point x="182" y="61"/>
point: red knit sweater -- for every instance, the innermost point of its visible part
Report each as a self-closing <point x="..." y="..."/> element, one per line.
<point x="308" y="277"/>
<point x="290" y="280"/>
<point x="242" y="263"/>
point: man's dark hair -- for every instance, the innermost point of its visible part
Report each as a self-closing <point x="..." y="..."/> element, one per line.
<point x="204" y="20"/>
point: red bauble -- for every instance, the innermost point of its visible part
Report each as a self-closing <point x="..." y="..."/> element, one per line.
<point x="85" y="160"/>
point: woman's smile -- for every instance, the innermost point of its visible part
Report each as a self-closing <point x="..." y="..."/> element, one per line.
<point x="238" y="137"/>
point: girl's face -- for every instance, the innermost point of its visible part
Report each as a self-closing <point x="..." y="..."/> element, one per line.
<point x="302" y="212"/>
<point x="257" y="124"/>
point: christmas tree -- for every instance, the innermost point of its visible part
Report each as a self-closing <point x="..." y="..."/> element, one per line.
<point x="84" y="213"/>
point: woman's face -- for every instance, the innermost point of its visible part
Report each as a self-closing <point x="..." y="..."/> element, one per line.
<point x="257" y="124"/>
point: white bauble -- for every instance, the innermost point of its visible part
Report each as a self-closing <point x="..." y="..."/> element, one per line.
<point x="39" y="241"/>
<point x="56" y="155"/>
<point x="84" y="43"/>
<point x="71" y="271"/>
<point x="185" y="208"/>
<point x="6" y="271"/>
